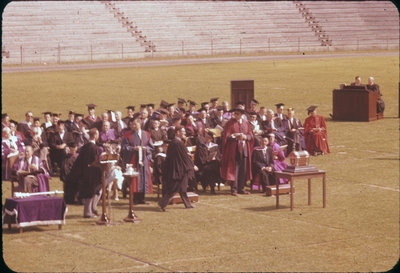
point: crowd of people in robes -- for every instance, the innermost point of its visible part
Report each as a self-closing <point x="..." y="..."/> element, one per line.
<point x="176" y="147"/>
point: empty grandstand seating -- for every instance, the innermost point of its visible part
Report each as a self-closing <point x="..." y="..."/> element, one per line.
<point x="60" y="31"/>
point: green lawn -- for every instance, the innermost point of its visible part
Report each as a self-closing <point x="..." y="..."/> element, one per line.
<point x="358" y="231"/>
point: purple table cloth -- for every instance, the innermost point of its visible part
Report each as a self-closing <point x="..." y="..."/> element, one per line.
<point x="35" y="210"/>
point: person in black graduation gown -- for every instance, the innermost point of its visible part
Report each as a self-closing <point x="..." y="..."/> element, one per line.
<point x="207" y="158"/>
<point x="263" y="163"/>
<point x="178" y="170"/>
<point x="87" y="176"/>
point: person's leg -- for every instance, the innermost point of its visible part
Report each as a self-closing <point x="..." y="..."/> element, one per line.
<point x="186" y="200"/>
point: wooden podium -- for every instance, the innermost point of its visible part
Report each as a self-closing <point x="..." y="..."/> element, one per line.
<point x="354" y="103"/>
<point x="242" y="90"/>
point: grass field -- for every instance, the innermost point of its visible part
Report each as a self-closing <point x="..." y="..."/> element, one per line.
<point x="358" y="231"/>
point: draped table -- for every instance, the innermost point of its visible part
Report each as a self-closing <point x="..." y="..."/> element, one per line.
<point x="34" y="210"/>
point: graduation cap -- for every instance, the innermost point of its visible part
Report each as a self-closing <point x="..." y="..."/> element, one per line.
<point x="236" y="110"/>
<point x="36" y="119"/>
<point x="150" y="105"/>
<point x="60" y="122"/>
<point x="78" y="115"/>
<point x="170" y="104"/>
<point x="155" y="118"/>
<point x="4" y="115"/>
<point x="213" y="99"/>
<point x="164" y="104"/>
<point x="143" y="105"/>
<point x="240" y="103"/>
<point x="204" y="103"/>
<point x="254" y="100"/>
<point x="311" y="109"/>
<point x="192" y="102"/>
<point x="135" y="116"/>
<point x="279" y="105"/>
<point x="180" y="100"/>
<point x="176" y="118"/>
<point x="130" y="107"/>
<point x="202" y="109"/>
<point x="56" y="114"/>
<point x="182" y="110"/>
<point x="71" y="113"/>
<point x="163" y="111"/>
<point x="46" y="113"/>
<point x="91" y="106"/>
<point x="252" y="113"/>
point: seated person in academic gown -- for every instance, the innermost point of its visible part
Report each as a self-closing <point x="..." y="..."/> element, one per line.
<point x="10" y="151"/>
<point x="207" y="158"/>
<point x="32" y="176"/>
<point x="372" y="86"/>
<point x="91" y="120"/>
<point x="273" y="124"/>
<point x="316" y="133"/>
<point x="279" y="156"/>
<point x="106" y="134"/>
<point x="25" y="127"/>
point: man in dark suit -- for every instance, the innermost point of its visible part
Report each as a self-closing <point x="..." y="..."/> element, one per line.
<point x="25" y="126"/>
<point x="294" y="132"/>
<point x="263" y="163"/>
<point x="218" y="118"/>
<point x="58" y="142"/>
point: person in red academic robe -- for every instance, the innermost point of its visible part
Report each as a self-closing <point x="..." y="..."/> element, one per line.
<point x="316" y="133"/>
<point x="237" y="146"/>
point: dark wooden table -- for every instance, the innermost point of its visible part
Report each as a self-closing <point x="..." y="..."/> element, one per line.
<point x="301" y="175"/>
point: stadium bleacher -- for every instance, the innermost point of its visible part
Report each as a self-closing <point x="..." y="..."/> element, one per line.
<point x="58" y="31"/>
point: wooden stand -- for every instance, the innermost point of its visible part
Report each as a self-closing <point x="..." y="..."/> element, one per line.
<point x="132" y="217"/>
<point x="103" y="219"/>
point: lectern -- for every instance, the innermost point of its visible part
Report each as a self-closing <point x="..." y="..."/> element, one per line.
<point x="354" y="103"/>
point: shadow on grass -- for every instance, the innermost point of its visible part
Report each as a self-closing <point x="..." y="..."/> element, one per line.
<point x="267" y="208"/>
<point x="386" y="158"/>
<point x="15" y="230"/>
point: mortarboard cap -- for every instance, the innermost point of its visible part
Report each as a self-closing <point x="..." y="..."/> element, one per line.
<point x="130" y="107"/>
<point x="46" y="113"/>
<point x="311" y="108"/>
<point x="164" y="104"/>
<point x="240" y="103"/>
<point x="254" y="100"/>
<point x="71" y="113"/>
<point x="279" y="105"/>
<point x="236" y="110"/>
<point x="60" y="122"/>
<point x="150" y="105"/>
<point x="170" y="104"/>
<point x="143" y="105"/>
<point x="36" y="119"/>
<point x="213" y="99"/>
<point x="202" y="109"/>
<point x="163" y="111"/>
<point x="180" y="100"/>
<point x="252" y="113"/>
<point x="78" y="115"/>
<point x="91" y="106"/>
<point x="4" y="115"/>
<point x="204" y="103"/>
<point x="56" y="114"/>
<point x="192" y="102"/>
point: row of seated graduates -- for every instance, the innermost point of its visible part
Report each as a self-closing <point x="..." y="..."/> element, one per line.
<point x="56" y="134"/>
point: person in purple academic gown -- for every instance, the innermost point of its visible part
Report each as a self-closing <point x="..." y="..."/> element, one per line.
<point x="136" y="149"/>
<point x="32" y="176"/>
<point x="279" y="156"/>
<point x="106" y="134"/>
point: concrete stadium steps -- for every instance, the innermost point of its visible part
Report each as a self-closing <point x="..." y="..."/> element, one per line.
<point x="80" y="30"/>
<point x="359" y="24"/>
<point x="225" y="23"/>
